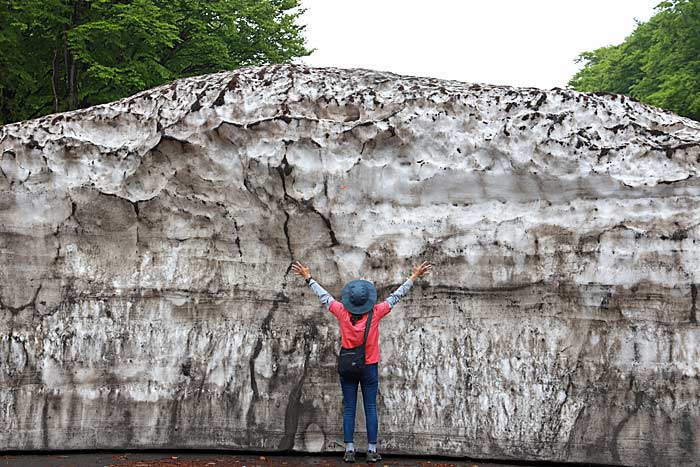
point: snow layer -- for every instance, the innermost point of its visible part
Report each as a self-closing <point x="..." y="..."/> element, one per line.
<point x="147" y="301"/>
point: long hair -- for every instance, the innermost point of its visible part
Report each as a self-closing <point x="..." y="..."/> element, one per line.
<point x="355" y="318"/>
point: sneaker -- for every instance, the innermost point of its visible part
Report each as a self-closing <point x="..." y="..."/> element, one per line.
<point x="373" y="456"/>
<point x="349" y="456"/>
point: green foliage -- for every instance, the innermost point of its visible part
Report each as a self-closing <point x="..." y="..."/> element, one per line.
<point x="659" y="63"/>
<point x="58" y="55"/>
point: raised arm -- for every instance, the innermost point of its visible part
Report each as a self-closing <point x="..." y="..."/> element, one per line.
<point x="399" y="293"/>
<point x="406" y="286"/>
<point x="323" y="295"/>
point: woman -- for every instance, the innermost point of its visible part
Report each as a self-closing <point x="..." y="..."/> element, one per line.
<point x="358" y="298"/>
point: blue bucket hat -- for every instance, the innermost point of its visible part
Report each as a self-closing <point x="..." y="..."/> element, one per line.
<point x="359" y="296"/>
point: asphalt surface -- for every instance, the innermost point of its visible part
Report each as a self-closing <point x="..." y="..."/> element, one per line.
<point x="218" y="459"/>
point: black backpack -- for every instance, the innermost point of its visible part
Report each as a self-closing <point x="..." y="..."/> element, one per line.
<point x="351" y="362"/>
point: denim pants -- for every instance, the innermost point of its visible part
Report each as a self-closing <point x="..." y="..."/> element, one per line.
<point x="369" y="381"/>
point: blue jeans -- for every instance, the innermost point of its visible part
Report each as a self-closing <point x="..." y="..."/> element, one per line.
<point x="369" y="382"/>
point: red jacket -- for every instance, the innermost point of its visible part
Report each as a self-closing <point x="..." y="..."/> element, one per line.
<point x="351" y="336"/>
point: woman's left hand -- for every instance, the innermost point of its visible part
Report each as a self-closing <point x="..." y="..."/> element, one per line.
<point x="300" y="269"/>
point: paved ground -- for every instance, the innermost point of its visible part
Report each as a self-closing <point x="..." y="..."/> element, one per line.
<point x="216" y="459"/>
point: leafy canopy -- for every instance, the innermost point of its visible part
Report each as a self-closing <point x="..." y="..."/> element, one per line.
<point x="659" y="63"/>
<point x="58" y="55"/>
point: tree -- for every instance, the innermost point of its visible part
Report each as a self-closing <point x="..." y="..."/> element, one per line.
<point x="58" y="55"/>
<point x="659" y="63"/>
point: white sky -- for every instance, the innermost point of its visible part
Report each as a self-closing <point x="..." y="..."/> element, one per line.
<point x="513" y="42"/>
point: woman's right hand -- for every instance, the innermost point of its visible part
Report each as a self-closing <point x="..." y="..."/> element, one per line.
<point x="418" y="271"/>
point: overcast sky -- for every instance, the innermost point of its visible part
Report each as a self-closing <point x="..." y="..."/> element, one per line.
<point x="514" y="42"/>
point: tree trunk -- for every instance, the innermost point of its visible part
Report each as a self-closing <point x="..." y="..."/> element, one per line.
<point x="77" y="9"/>
<point x="66" y="55"/>
<point x="54" y="80"/>
<point x="73" y="94"/>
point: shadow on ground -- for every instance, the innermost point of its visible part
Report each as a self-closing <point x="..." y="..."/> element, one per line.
<point x="218" y="459"/>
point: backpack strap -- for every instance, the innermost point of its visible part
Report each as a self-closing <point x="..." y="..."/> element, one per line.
<point x="369" y="323"/>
